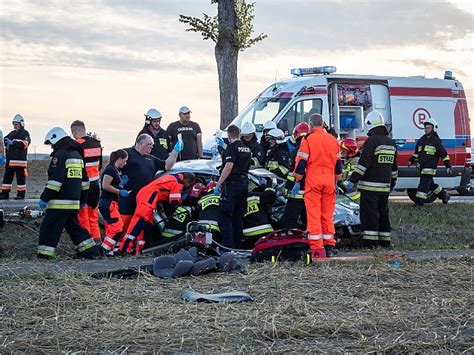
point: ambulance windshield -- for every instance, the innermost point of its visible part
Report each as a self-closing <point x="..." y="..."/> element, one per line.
<point x="261" y="110"/>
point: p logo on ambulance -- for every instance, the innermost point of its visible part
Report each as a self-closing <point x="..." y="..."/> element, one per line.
<point x="419" y="116"/>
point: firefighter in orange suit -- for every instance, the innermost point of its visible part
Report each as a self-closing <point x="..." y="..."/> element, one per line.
<point x="318" y="161"/>
<point x="167" y="188"/>
<point x="91" y="152"/>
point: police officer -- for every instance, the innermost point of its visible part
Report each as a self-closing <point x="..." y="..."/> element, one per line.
<point x="234" y="183"/>
<point x="375" y="175"/>
<point x="295" y="208"/>
<point x="256" y="220"/>
<point x="277" y="160"/>
<point x="16" y="146"/>
<point x="428" y="150"/>
<point x="66" y="190"/>
<point x="248" y="137"/>
<point x="91" y="151"/>
<point x="152" y="127"/>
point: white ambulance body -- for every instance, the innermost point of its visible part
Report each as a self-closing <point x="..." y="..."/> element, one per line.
<point x="345" y="100"/>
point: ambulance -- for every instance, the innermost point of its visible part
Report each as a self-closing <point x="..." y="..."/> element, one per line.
<point x="345" y="100"/>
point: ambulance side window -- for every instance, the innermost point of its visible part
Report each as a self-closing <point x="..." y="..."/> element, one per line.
<point x="301" y="111"/>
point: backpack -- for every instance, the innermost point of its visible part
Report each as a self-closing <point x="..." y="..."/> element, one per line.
<point x="284" y="244"/>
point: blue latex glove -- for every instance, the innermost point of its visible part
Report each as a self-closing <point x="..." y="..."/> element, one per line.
<point x="179" y="146"/>
<point x="349" y="185"/>
<point x="8" y="142"/>
<point x="295" y="190"/>
<point x="217" y="189"/>
<point x="124" y="193"/>
<point x="124" y="180"/>
<point x="184" y="197"/>
<point x="2" y="160"/>
<point x="220" y="142"/>
<point x="42" y="204"/>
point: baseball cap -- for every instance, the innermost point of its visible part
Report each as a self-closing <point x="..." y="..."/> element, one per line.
<point x="184" y="109"/>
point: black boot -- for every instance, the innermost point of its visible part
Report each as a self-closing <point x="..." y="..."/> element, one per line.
<point x="91" y="253"/>
<point x="444" y="196"/>
<point x="384" y="244"/>
<point x="369" y="244"/>
<point x="20" y="195"/>
<point x="5" y="196"/>
<point x="330" y="251"/>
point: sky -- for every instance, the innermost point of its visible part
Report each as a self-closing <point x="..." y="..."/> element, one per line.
<point x="107" y="62"/>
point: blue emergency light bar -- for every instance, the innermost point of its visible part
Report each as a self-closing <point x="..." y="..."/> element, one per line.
<point x="312" y="71"/>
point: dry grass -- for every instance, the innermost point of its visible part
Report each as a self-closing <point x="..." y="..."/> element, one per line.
<point x="417" y="307"/>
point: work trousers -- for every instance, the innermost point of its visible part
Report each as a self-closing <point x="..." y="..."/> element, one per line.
<point x="89" y="215"/>
<point x="21" y="174"/>
<point x="294" y="209"/>
<point x="232" y="208"/>
<point x="427" y="187"/>
<point x="112" y="222"/>
<point x="54" y="221"/>
<point x="374" y="218"/>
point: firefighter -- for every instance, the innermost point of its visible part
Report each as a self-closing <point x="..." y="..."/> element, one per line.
<point x="140" y="170"/>
<point x="318" y="161"/>
<point x="234" y="181"/>
<point x="277" y="160"/>
<point x="375" y="176"/>
<point x="91" y="151"/>
<point x="428" y="150"/>
<point x="66" y="190"/>
<point x="248" y="137"/>
<point x="208" y="210"/>
<point x="182" y="215"/>
<point x="165" y="188"/>
<point x="267" y="127"/>
<point x="350" y="155"/>
<point x="295" y="208"/>
<point x="112" y="188"/>
<point x="16" y="146"/>
<point x="256" y="220"/>
<point x="152" y="127"/>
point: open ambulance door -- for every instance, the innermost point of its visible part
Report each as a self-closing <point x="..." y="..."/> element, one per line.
<point x="350" y="102"/>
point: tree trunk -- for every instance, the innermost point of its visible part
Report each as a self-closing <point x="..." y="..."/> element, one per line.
<point x="227" y="54"/>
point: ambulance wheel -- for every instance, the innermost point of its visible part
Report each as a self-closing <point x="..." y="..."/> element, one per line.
<point x="465" y="191"/>
<point x="412" y="195"/>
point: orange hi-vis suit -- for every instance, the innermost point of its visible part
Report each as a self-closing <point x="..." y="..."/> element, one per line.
<point x="91" y="151"/>
<point x="165" y="188"/>
<point x="318" y="160"/>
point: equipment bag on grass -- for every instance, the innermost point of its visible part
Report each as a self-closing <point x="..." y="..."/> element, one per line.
<point x="284" y="244"/>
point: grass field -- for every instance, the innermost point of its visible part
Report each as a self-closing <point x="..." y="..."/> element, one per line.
<point x="372" y="306"/>
<point x="364" y="307"/>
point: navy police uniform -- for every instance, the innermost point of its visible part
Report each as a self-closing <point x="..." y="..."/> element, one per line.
<point x="233" y="202"/>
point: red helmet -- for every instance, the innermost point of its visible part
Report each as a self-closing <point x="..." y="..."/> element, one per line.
<point x="197" y="190"/>
<point x="211" y="185"/>
<point x="301" y="129"/>
<point x="349" y="146"/>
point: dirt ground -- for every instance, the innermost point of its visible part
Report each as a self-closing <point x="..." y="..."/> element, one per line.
<point x="364" y="307"/>
<point x="373" y="306"/>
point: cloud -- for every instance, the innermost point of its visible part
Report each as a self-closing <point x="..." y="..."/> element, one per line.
<point x="347" y="25"/>
<point x="431" y="64"/>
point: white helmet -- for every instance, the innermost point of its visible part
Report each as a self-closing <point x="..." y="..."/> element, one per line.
<point x="277" y="134"/>
<point x="269" y="125"/>
<point x="54" y="135"/>
<point x="374" y="119"/>
<point x="432" y="122"/>
<point x="247" y="128"/>
<point x="19" y="119"/>
<point x="152" y="114"/>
